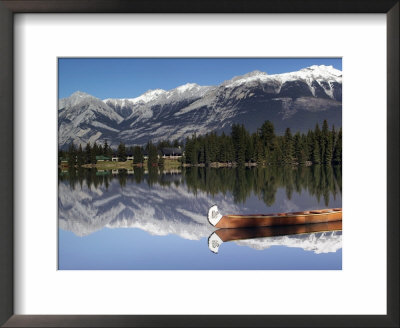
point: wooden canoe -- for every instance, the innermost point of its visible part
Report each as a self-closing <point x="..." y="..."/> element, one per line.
<point x="224" y="235"/>
<point x="274" y="219"/>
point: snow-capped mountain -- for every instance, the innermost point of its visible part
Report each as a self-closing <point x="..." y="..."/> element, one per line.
<point x="126" y="107"/>
<point x="297" y="100"/>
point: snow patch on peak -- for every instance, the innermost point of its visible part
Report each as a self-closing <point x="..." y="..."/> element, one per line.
<point x="326" y="76"/>
<point x="116" y="101"/>
<point x="186" y="91"/>
<point x="254" y="73"/>
<point x="327" y="73"/>
<point x="187" y="86"/>
<point x="319" y="73"/>
<point x="148" y="96"/>
<point x="322" y="70"/>
<point x="248" y="77"/>
<point x="153" y="92"/>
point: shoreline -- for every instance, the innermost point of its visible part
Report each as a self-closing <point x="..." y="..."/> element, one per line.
<point x="175" y="164"/>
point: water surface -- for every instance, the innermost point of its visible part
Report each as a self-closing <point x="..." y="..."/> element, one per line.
<point x="140" y="219"/>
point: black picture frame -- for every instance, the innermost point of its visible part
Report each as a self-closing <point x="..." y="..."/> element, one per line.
<point x="10" y="7"/>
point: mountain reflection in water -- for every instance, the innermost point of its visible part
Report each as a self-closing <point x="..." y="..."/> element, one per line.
<point x="319" y="237"/>
<point x="176" y="202"/>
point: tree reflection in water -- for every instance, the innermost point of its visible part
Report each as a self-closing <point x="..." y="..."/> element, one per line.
<point x="320" y="181"/>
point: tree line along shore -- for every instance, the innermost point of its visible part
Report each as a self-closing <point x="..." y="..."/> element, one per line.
<point x="239" y="148"/>
<point x="321" y="181"/>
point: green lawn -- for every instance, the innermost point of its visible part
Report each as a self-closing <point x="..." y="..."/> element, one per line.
<point x="109" y="165"/>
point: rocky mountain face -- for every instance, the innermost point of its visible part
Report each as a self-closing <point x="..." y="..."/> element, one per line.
<point x="297" y="100"/>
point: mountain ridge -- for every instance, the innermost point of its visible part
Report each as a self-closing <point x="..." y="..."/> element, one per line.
<point x="297" y="100"/>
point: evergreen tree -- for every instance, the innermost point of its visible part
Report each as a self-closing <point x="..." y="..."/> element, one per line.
<point x="222" y="151"/>
<point x="121" y="152"/>
<point x="249" y="153"/>
<point x="71" y="155"/>
<point x="267" y="133"/>
<point x="201" y="153"/>
<point x="310" y="145"/>
<point x="337" y="152"/>
<point x="153" y="155"/>
<point x="164" y="144"/>
<point x="317" y="138"/>
<point x="93" y="153"/>
<point x="176" y="144"/>
<point x="131" y="149"/>
<point x="99" y="151"/>
<point x="212" y="148"/>
<point x="326" y="144"/>
<point x="88" y="152"/>
<point x="107" y="151"/>
<point x="277" y="156"/>
<point x="328" y="150"/>
<point x="190" y="151"/>
<point x="239" y="143"/>
<point x="333" y="135"/>
<point x="304" y="149"/>
<point x="138" y="157"/>
<point x="288" y="147"/>
<point x="230" y="151"/>
<point x="258" y="150"/>
<point x="105" y="148"/>
<point x="298" y="148"/>
<point x="317" y="146"/>
<point x="80" y="157"/>
<point x="316" y="153"/>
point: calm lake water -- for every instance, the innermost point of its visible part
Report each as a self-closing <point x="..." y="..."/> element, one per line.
<point x="139" y="219"/>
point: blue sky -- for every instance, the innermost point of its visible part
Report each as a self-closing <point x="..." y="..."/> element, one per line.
<point x="122" y="249"/>
<point x="130" y="77"/>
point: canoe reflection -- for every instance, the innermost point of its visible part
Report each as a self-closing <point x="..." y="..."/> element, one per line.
<point x="224" y="235"/>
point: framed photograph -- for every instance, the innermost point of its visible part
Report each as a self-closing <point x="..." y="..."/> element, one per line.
<point x="166" y="161"/>
<point x="158" y="169"/>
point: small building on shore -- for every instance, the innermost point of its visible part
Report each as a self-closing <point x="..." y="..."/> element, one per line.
<point x="171" y="153"/>
<point x="114" y="158"/>
<point x="102" y="158"/>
